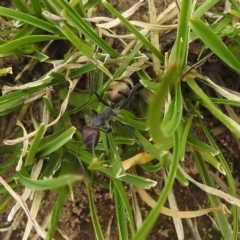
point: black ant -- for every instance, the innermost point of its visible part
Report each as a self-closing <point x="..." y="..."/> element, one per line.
<point x="119" y="91"/>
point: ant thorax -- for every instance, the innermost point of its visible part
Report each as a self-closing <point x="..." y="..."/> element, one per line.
<point x="99" y="121"/>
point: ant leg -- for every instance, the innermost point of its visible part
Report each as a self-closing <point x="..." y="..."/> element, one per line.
<point x="108" y="149"/>
<point x="131" y="132"/>
<point x="90" y="137"/>
<point x="100" y="99"/>
<point x="130" y="94"/>
<point x="93" y="146"/>
<point x="81" y="163"/>
<point x="94" y="113"/>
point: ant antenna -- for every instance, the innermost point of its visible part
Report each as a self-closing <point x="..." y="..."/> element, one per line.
<point x="80" y="161"/>
<point x="130" y="94"/>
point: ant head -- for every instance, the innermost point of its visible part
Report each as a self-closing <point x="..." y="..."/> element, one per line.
<point x="90" y="137"/>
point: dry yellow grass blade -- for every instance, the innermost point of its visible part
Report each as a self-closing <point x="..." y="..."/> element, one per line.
<point x="126" y="14"/>
<point x="211" y="190"/>
<point x="136" y="208"/>
<point x="178" y="214"/>
<point x="6" y="89"/>
<point x="221" y="90"/>
<point x="27" y="192"/>
<point x="173" y="205"/>
<point x="16" y="221"/>
<point x="32" y="62"/>
<point x="137" y="65"/>
<point x="34" y="210"/>
<point x="154" y="37"/>
<point x="5" y="71"/>
<point x="24" y="206"/>
<point x="140" y="158"/>
<point x="63" y="108"/>
<point x="25" y="146"/>
<point x="148" y="26"/>
<point x="167" y="15"/>
<point x="45" y="224"/>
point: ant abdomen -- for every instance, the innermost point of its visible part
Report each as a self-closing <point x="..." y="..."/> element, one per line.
<point x="119" y="90"/>
<point x="90" y="137"/>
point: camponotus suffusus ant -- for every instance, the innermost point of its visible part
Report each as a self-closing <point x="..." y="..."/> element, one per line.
<point x="119" y="92"/>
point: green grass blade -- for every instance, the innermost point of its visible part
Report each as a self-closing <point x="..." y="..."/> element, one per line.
<point x="63" y="8"/>
<point x="121" y="216"/>
<point x="227" y="121"/>
<point x="13" y="159"/>
<point x="180" y="48"/>
<point x="34" y="21"/>
<point x="34" y="145"/>
<point x="22" y="6"/>
<point x="176" y="117"/>
<point x="76" y="41"/>
<point x="230" y="179"/>
<point x="118" y="186"/>
<point x="62" y="197"/>
<point x="185" y="136"/>
<point x="25" y="31"/>
<point x="220" y="217"/>
<point x="114" y="157"/>
<point x="94" y="216"/>
<point x="56" y="143"/>
<point x="47" y="184"/>
<point x="214" y="43"/>
<point x="204" y="7"/>
<point x="139" y="125"/>
<point x="36" y="5"/>
<point x="154" y="213"/>
<point x="133" y="30"/>
<point x="53" y="165"/>
<point x="235" y="4"/>
<point x="154" y="117"/>
<point x="177" y="62"/>
<point x="193" y="141"/>
<point x="13" y="44"/>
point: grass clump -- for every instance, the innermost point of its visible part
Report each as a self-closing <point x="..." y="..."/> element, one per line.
<point x="70" y="46"/>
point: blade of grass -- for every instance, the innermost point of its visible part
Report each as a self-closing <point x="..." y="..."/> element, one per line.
<point x="177" y="62"/>
<point x="64" y="9"/>
<point x="115" y="158"/>
<point x="176" y="117"/>
<point x="204" y="7"/>
<point x="154" y="213"/>
<point x="118" y="186"/>
<point x="229" y="177"/>
<point x="48" y="183"/>
<point x="228" y="122"/>
<point x="34" y="21"/>
<point x="133" y="30"/>
<point x="121" y="216"/>
<point x="22" y="6"/>
<point x="13" y="44"/>
<point x="220" y="217"/>
<point x="185" y="136"/>
<point x="214" y="43"/>
<point x="80" y="44"/>
<point x="199" y="145"/>
<point x="57" y="211"/>
<point x="56" y="143"/>
<point x="34" y="145"/>
<point x="94" y="216"/>
<point x="36" y="5"/>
